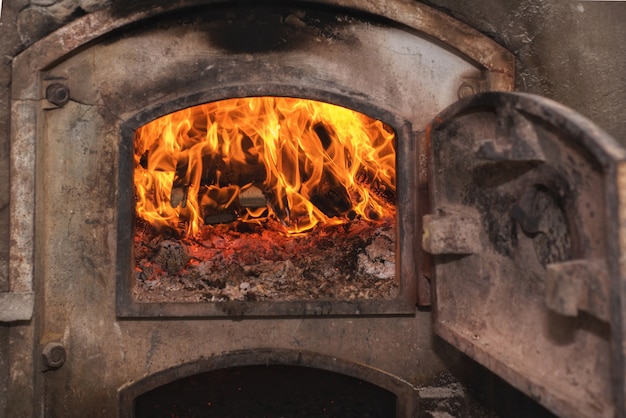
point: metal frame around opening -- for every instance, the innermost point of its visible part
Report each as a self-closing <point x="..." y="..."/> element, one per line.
<point x="406" y="227"/>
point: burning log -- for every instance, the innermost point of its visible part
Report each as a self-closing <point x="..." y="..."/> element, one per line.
<point x="218" y="203"/>
<point x="252" y="197"/>
<point x="331" y="197"/>
<point x="324" y="136"/>
<point x="375" y="184"/>
<point x="220" y="218"/>
<point x="223" y="170"/>
<point x="221" y="205"/>
<point x="194" y="166"/>
<point x="178" y="197"/>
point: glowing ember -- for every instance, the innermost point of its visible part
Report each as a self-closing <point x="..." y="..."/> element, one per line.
<point x="299" y="161"/>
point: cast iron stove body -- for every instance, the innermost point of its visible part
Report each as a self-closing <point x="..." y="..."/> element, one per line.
<point x="509" y="219"/>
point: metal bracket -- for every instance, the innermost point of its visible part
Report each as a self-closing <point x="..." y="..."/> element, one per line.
<point x="16" y="306"/>
<point x="452" y="233"/>
<point x="578" y="285"/>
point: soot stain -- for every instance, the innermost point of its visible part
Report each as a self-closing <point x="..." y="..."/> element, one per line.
<point x="263" y="29"/>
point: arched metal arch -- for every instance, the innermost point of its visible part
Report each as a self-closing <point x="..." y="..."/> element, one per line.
<point x="406" y="394"/>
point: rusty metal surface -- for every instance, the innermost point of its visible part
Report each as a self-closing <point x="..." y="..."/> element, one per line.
<point x="542" y="181"/>
<point x="422" y="205"/>
<point x="617" y="285"/>
<point x="68" y="159"/>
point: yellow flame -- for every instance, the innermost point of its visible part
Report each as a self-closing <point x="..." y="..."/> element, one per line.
<point x="196" y="162"/>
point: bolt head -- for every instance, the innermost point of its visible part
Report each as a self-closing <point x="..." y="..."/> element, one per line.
<point x="54" y="355"/>
<point x="466" y="90"/>
<point x="58" y="94"/>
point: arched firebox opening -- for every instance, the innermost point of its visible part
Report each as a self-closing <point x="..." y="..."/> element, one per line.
<point x="264" y="199"/>
<point x="268" y="383"/>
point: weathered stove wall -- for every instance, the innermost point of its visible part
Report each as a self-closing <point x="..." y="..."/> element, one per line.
<point x="570" y="51"/>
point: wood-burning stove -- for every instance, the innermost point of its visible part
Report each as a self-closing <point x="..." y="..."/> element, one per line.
<point x="506" y="203"/>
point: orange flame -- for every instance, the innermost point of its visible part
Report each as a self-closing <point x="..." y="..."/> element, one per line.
<point x="310" y="162"/>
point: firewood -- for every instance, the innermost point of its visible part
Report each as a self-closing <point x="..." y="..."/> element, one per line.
<point x="322" y="132"/>
<point x="220" y="218"/>
<point x="252" y="197"/>
<point x="331" y="197"/>
<point x="178" y="196"/>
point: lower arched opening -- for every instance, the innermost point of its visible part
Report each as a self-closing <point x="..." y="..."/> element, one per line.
<point x="267" y="391"/>
<point x="268" y="383"/>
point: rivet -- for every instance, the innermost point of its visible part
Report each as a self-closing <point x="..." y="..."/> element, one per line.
<point x="58" y="94"/>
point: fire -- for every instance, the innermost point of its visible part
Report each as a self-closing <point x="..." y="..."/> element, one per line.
<point x="302" y="162"/>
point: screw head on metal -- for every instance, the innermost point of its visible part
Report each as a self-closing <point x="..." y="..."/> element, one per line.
<point x="58" y="94"/>
<point x="54" y="355"/>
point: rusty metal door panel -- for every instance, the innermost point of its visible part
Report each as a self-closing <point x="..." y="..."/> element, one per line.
<point x="524" y="233"/>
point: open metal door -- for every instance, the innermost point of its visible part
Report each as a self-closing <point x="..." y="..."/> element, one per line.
<point x="524" y="229"/>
